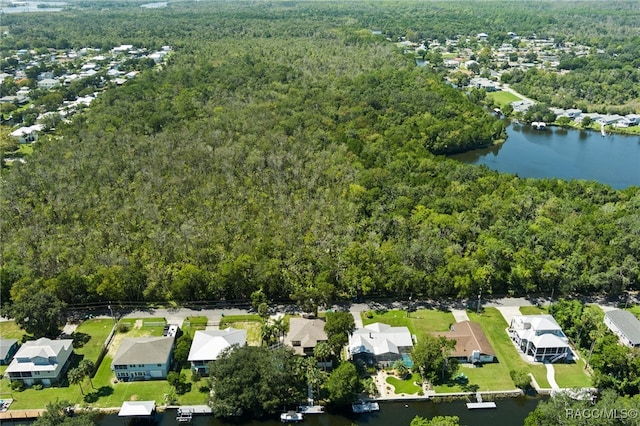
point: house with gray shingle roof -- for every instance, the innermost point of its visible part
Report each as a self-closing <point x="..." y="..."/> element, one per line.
<point x="143" y="358"/>
<point x="625" y="325"/>
<point x="304" y="334"/>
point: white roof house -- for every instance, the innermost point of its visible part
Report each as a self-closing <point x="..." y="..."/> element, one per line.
<point x="43" y="360"/>
<point x="625" y="325"/>
<point x="137" y="408"/>
<point x="209" y="344"/>
<point x="540" y="337"/>
<point x="48" y="83"/>
<point x="380" y="342"/>
<point x="27" y="134"/>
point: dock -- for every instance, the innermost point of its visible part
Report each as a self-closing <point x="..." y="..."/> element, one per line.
<point x="20" y="414"/>
<point x="311" y="409"/>
<point x="480" y="404"/>
<point x="186" y="412"/>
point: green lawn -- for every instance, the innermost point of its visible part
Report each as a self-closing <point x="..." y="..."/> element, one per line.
<point x="532" y="310"/>
<point x="572" y="375"/>
<point x="423" y="320"/>
<point x="192" y="324"/>
<point x="90" y="336"/>
<point x="503" y="98"/>
<point x="494" y="326"/>
<point x="406" y="386"/>
<point x="11" y="330"/>
<point x="492" y="376"/>
<point x="254" y="336"/>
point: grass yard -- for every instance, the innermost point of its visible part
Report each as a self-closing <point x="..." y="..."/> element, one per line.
<point x="11" y="330"/>
<point x="572" y="375"/>
<point x="251" y="323"/>
<point x="494" y="326"/>
<point x="492" y="376"/>
<point x="503" y="98"/>
<point x="192" y="324"/>
<point x="90" y="336"/>
<point x="532" y="310"/>
<point x="423" y="320"/>
<point x="405" y="386"/>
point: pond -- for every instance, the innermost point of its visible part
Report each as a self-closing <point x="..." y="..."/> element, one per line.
<point x="564" y="154"/>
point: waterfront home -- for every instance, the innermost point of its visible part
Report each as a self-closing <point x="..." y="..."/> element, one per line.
<point x="304" y="334"/>
<point x="143" y="358"/>
<point x="472" y="345"/>
<point x="625" y="325"/>
<point x="43" y="361"/>
<point x="381" y="344"/>
<point x="540" y="337"/>
<point x="8" y="347"/>
<point x="207" y="346"/>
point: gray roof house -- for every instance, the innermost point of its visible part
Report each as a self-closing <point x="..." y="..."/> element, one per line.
<point x="207" y="345"/>
<point x="40" y="361"/>
<point x="380" y="343"/>
<point x="143" y="358"/>
<point x="304" y="334"/>
<point x="625" y="325"/>
<point x="8" y="347"/>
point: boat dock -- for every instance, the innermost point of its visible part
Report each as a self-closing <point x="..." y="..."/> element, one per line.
<point x="186" y="412"/>
<point x="311" y="409"/>
<point x="480" y="403"/>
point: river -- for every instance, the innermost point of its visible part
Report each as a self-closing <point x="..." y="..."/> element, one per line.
<point x="564" y="154"/>
<point x="509" y="412"/>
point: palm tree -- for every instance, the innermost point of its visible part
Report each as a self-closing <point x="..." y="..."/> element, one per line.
<point x="266" y="333"/>
<point x="279" y="327"/>
<point x="401" y="368"/>
<point x="322" y="352"/>
<point x="87" y="367"/>
<point x="76" y="376"/>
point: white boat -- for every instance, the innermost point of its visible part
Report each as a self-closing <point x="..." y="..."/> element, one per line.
<point x="291" y="417"/>
<point x="365" y="407"/>
<point x="539" y="125"/>
<point x="603" y="132"/>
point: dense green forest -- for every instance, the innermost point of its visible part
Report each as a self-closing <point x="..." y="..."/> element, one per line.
<point x="287" y="149"/>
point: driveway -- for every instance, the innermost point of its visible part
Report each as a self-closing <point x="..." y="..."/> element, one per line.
<point x="460" y="315"/>
<point x="508" y="312"/>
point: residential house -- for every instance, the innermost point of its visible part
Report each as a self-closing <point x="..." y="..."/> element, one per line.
<point x="381" y="344"/>
<point x="48" y="83"/>
<point x="540" y="337"/>
<point x="472" y="345"/>
<point x="207" y="346"/>
<point x="40" y="361"/>
<point x="304" y="334"/>
<point x="8" y="347"/>
<point x="625" y="325"/>
<point x="143" y="358"/>
<point x="27" y="134"/>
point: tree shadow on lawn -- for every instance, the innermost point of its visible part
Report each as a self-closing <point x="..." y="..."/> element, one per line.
<point x="80" y="339"/>
<point x="99" y="393"/>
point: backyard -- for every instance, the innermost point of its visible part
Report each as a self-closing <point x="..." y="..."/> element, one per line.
<point x="419" y="321"/>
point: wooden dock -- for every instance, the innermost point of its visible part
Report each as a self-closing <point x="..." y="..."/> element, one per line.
<point x="20" y="414"/>
<point x="480" y="403"/>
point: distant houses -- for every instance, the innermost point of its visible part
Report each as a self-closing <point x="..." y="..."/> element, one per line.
<point x="43" y="361"/>
<point x="539" y="337"/>
<point x="625" y="325"/>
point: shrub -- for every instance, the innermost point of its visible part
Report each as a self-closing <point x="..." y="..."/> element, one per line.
<point x="123" y="327"/>
<point x="17" y="385"/>
<point x="521" y="379"/>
